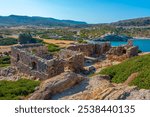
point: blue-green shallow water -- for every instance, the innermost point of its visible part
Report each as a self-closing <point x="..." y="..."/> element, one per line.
<point x="144" y="44"/>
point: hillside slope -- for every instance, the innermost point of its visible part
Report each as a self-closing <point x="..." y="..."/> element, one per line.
<point x="140" y="64"/>
<point x="133" y="22"/>
<point x="14" y="20"/>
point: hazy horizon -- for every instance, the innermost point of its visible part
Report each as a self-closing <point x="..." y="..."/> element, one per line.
<point x="90" y="11"/>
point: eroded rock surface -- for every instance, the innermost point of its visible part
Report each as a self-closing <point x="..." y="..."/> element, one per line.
<point x="99" y="88"/>
<point x="56" y="85"/>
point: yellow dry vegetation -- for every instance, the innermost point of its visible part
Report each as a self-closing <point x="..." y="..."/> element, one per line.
<point x="60" y="43"/>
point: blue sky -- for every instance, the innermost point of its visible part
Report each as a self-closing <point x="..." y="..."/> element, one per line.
<point x="91" y="11"/>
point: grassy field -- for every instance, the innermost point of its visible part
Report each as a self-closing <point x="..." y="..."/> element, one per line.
<point x="120" y="73"/>
<point x="15" y="90"/>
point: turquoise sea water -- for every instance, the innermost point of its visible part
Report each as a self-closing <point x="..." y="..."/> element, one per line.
<point x="144" y="44"/>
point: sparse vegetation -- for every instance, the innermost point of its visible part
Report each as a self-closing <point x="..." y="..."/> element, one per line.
<point x="15" y="90"/>
<point x="120" y="73"/>
<point x="99" y="30"/>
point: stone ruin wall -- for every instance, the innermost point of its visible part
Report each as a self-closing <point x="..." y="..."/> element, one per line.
<point x="91" y="49"/>
<point x="128" y="51"/>
<point x="71" y="58"/>
<point x="33" y="65"/>
<point x="74" y="61"/>
<point x="29" y="63"/>
<point x="123" y="52"/>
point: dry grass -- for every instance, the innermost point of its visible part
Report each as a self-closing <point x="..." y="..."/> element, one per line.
<point x="60" y="43"/>
<point x="6" y="48"/>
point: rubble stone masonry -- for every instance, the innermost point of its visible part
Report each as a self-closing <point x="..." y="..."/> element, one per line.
<point x="30" y="64"/>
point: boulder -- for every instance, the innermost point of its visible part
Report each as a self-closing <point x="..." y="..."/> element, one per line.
<point x="55" y="85"/>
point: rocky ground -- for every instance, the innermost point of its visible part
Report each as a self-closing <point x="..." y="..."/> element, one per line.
<point x="100" y="88"/>
<point x="12" y="74"/>
<point x="72" y="86"/>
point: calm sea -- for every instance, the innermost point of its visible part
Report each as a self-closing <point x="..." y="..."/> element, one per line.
<point x="144" y="44"/>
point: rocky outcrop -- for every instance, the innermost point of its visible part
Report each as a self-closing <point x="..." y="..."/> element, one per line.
<point x="139" y="95"/>
<point x="99" y="88"/>
<point x="56" y="85"/>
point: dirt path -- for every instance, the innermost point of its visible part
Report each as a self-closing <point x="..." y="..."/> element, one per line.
<point x="131" y="78"/>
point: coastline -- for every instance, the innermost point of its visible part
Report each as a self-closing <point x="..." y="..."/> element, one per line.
<point x="141" y="38"/>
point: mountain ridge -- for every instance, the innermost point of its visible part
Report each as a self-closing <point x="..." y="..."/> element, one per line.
<point x="143" y="21"/>
<point x="16" y="20"/>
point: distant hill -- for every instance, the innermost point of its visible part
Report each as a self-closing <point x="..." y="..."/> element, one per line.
<point x="15" y="20"/>
<point x="133" y="22"/>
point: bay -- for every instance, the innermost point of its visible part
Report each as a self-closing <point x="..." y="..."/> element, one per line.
<point x="143" y="44"/>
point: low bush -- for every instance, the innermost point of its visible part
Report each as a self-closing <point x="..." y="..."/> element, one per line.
<point x="15" y="90"/>
<point x="8" y="41"/>
<point x="53" y="48"/>
<point x="4" y="61"/>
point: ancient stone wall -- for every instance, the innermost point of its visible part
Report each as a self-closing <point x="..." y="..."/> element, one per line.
<point x="31" y="64"/>
<point x="129" y="50"/>
<point x="74" y="61"/>
<point x="132" y="51"/>
<point x="119" y="51"/>
<point x="91" y="49"/>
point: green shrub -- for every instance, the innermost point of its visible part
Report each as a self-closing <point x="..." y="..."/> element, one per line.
<point x="53" y="48"/>
<point x="82" y="41"/>
<point x="4" y="61"/>
<point x="12" y="90"/>
<point x="26" y="38"/>
<point x="120" y="73"/>
<point x="8" y="41"/>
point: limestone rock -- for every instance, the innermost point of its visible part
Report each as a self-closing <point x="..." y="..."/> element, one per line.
<point x="56" y="84"/>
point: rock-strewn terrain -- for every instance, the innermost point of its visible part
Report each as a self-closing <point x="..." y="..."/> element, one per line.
<point x="72" y="86"/>
<point x="100" y="88"/>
